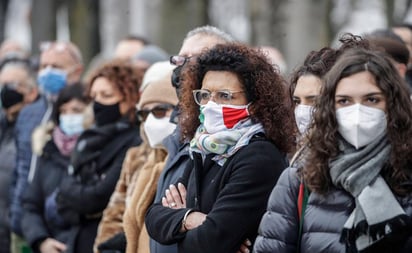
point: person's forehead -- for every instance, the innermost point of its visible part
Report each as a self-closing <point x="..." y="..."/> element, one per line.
<point x="13" y="74"/>
<point x="58" y="57"/>
<point x="195" y="44"/>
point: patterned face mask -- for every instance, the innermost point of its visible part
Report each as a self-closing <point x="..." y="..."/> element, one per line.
<point x="215" y="117"/>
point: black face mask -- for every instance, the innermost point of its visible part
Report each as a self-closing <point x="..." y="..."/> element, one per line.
<point x="105" y="114"/>
<point x="10" y="97"/>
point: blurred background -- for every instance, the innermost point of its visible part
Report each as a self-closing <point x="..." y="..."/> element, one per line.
<point x="293" y="26"/>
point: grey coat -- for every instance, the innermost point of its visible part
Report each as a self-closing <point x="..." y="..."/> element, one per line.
<point x="323" y="221"/>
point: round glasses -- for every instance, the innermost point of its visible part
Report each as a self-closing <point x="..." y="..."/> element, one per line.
<point x="158" y="112"/>
<point x="220" y="97"/>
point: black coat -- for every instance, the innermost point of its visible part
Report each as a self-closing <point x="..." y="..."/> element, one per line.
<point x="234" y="198"/>
<point x="8" y="163"/>
<point x="95" y="168"/>
<point x="39" y="220"/>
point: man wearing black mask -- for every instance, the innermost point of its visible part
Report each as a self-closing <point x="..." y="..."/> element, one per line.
<point x="18" y="88"/>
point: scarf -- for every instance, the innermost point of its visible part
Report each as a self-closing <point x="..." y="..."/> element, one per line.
<point x="224" y="143"/>
<point x="65" y="144"/>
<point x="377" y="214"/>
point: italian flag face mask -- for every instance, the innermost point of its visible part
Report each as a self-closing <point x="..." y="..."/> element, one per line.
<point x="216" y="118"/>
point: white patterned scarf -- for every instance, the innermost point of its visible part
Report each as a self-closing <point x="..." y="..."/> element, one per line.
<point x="224" y="143"/>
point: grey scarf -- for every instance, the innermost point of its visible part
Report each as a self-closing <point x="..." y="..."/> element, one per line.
<point x="377" y="212"/>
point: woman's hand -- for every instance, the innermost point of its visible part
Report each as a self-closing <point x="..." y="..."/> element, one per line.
<point x="51" y="245"/>
<point x="193" y="220"/>
<point x="244" y="248"/>
<point x="175" y="198"/>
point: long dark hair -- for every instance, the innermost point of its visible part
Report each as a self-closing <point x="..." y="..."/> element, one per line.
<point x="324" y="135"/>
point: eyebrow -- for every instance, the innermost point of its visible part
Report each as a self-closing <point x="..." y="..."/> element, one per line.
<point x="366" y="95"/>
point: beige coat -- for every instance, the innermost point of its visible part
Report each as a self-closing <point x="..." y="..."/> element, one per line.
<point x="142" y="198"/>
<point x="138" y="177"/>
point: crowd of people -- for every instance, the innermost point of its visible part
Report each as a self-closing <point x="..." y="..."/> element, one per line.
<point x="215" y="149"/>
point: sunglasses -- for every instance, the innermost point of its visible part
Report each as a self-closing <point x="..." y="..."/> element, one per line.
<point x="158" y="112"/>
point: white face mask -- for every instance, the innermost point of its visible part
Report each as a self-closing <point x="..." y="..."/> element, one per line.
<point x="216" y="118"/>
<point x="303" y="117"/>
<point x="71" y="124"/>
<point x="157" y="130"/>
<point x="360" y="124"/>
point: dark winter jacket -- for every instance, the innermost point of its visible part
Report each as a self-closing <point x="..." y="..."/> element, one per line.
<point x="95" y="168"/>
<point x="233" y="196"/>
<point x="175" y="166"/>
<point x="323" y="219"/>
<point x="29" y="118"/>
<point x="40" y="219"/>
<point x="7" y="165"/>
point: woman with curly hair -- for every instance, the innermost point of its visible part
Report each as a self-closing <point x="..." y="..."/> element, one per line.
<point x="236" y="115"/>
<point x="97" y="158"/>
<point x="358" y="168"/>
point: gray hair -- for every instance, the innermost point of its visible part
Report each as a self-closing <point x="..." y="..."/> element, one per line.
<point x="30" y="82"/>
<point x="210" y="31"/>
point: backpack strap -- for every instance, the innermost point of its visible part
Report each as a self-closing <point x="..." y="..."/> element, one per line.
<point x="302" y="203"/>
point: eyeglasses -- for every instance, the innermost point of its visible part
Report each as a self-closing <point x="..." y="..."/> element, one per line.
<point x="179" y="60"/>
<point x="220" y="96"/>
<point x="157" y="111"/>
<point x="60" y="47"/>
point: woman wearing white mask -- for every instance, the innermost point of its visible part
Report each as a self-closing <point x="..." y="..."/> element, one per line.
<point x="234" y="112"/>
<point x="43" y="228"/>
<point x="136" y="187"/>
<point x="358" y="167"/>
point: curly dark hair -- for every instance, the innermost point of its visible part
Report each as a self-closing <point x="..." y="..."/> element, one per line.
<point x="125" y="77"/>
<point x="264" y="86"/>
<point x="318" y="63"/>
<point x="323" y="141"/>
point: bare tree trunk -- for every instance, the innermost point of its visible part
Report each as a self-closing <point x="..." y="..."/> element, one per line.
<point x="43" y="21"/>
<point x="84" y="27"/>
<point x="114" y="24"/>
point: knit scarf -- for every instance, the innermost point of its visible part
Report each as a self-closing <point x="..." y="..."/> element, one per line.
<point x="65" y="144"/>
<point x="377" y="214"/>
<point x="224" y="143"/>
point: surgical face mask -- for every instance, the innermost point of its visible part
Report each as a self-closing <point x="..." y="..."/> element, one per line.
<point x="303" y="117"/>
<point x="71" y="124"/>
<point x="216" y="118"/>
<point x="360" y="125"/>
<point x="52" y="80"/>
<point x="157" y="130"/>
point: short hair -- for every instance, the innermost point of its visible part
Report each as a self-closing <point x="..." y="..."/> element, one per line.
<point x="68" y="93"/>
<point x="30" y="82"/>
<point x="139" y="38"/>
<point x="210" y="31"/>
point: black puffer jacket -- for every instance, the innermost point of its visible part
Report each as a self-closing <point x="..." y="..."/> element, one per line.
<point x="95" y="168"/>
<point x="323" y="221"/>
